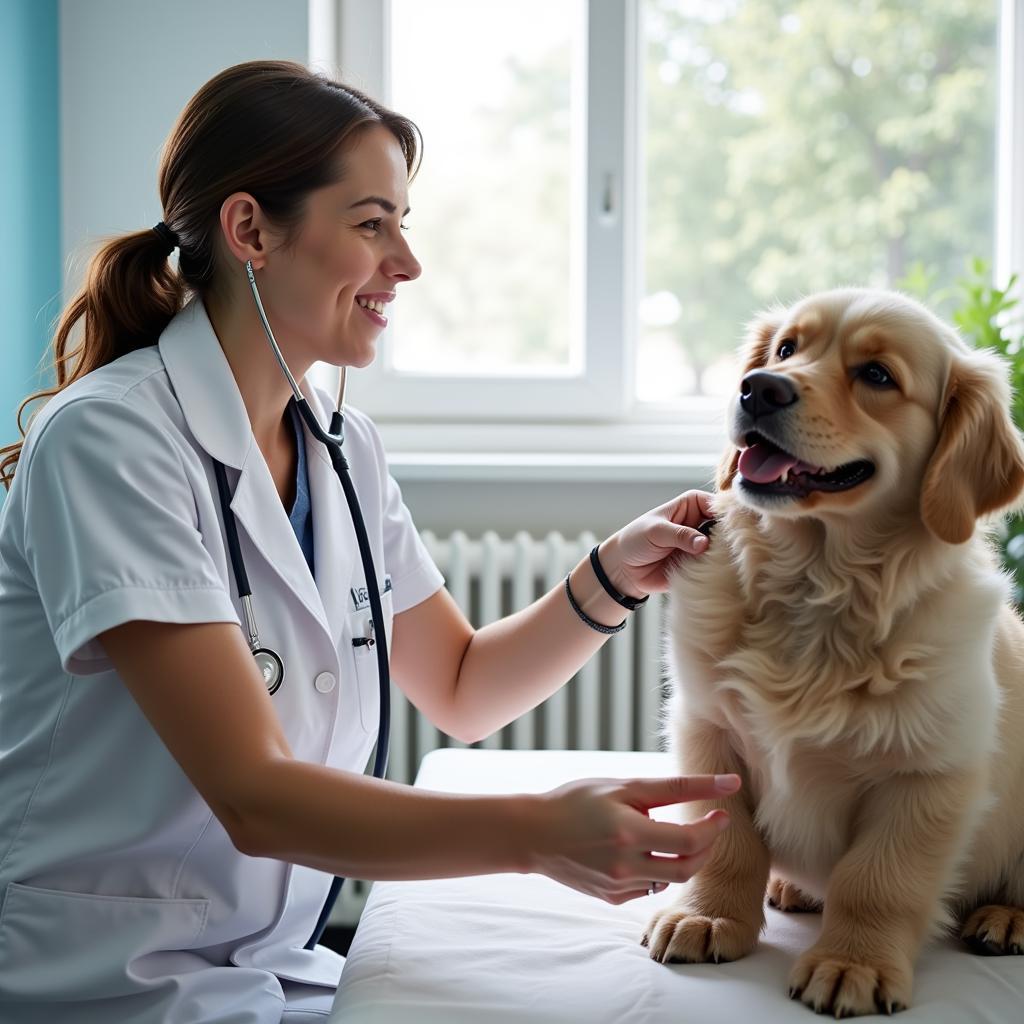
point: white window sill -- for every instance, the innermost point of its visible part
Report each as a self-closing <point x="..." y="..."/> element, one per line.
<point x="563" y="453"/>
<point x="561" y="467"/>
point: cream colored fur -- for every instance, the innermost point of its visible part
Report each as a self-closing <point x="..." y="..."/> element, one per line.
<point x="854" y="657"/>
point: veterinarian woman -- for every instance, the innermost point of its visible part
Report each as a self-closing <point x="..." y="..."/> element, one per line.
<point x="176" y="792"/>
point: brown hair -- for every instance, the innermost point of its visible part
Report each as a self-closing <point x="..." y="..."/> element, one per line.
<point x="268" y="127"/>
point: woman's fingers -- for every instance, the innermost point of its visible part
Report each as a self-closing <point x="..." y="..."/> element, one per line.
<point x="682" y="840"/>
<point x="689" y="507"/>
<point x="647" y="793"/>
<point x="692" y="843"/>
<point x="659" y="873"/>
<point x="705" y="503"/>
<point x="673" y="536"/>
<point x="596" y="835"/>
<point x="675" y="869"/>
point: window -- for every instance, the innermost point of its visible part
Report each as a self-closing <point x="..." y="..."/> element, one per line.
<point x="797" y="146"/>
<point x="494" y="199"/>
<point x="612" y="188"/>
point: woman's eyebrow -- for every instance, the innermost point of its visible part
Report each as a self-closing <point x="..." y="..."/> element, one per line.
<point x="386" y="203"/>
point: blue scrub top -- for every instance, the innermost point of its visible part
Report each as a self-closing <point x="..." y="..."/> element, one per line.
<point x="301" y="514"/>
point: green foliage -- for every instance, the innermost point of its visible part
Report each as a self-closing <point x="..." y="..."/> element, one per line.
<point x="795" y="146"/>
<point x="987" y="317"/>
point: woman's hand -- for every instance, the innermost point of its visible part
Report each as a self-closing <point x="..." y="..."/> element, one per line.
<point x="595" y="836"/>
<point x="640" y="557"/>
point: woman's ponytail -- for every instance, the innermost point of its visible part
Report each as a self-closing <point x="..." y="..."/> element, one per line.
<point x="130" y="295"/>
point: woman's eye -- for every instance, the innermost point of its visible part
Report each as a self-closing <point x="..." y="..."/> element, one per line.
<point x="374" y="225"/>
<point x="877" y="375"/>
<point x="786" y="349"/>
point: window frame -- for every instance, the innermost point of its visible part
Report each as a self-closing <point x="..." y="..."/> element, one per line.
<point x="598" y="229"/>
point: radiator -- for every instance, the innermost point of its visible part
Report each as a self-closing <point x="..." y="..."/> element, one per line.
<point x="612" y="703"/>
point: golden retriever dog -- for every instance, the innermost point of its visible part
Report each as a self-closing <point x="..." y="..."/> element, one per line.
<point x="847" y="645"/>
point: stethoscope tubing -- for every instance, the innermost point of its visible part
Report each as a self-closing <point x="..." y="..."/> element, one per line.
<point x="332" y="441"/>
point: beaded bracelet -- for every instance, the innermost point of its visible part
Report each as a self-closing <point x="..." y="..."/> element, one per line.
<point x="629" y="603"/>
<point x="586" y="618"/>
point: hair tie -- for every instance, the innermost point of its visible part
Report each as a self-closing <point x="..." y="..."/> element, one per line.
<point x="169" y="237"/>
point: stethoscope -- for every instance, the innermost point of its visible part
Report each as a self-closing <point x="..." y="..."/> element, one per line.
<point x="267" y="660"/>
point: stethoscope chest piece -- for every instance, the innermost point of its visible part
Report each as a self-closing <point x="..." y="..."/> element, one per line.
<point x="271" y="668"/>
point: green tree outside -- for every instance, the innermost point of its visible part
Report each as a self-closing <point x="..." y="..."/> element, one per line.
<point x="795" y="145"/>
<point x="789" y="146"/>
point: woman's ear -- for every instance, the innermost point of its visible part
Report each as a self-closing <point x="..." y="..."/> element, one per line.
<point x="754" y="353"/>
<point x="977" y="466"/>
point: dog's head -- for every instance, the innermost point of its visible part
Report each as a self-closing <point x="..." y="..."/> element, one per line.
<point x="855" y="402"/>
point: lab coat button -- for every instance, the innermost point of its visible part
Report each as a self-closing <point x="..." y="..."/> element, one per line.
<point x="324" y="682"/>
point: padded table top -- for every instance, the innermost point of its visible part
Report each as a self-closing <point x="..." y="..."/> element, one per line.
<point x="511" y="948"/>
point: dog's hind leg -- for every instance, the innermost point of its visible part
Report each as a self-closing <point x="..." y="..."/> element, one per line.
<point x="996" y="927"/>
<point x="994" y="930"/>
<point x="786" y="896"/>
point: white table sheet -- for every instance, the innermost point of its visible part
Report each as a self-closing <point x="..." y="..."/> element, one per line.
<point x="522" y="948"/>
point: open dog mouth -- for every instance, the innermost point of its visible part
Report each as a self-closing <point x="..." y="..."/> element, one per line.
<point x="768" y="469"/>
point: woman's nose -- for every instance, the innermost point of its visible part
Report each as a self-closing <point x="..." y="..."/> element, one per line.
<point x="402" y="264"/>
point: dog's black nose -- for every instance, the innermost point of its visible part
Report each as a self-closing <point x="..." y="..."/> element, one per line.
<point x="763" y="392"/>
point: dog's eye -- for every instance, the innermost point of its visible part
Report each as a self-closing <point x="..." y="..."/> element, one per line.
<point x="786" y="348"/>
<point x="877" y="375"/>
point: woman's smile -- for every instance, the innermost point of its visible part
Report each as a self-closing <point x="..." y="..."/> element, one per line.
<point x="373" y="303"/>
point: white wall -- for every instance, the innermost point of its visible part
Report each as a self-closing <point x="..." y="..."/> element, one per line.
<point x="127" y="70"/>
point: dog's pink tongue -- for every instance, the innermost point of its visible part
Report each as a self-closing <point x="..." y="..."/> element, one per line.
<point x="763" y="465"/>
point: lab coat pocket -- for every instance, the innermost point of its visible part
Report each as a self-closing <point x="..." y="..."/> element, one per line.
<point x="365" y="654"/>
<point x="70" y="946"/>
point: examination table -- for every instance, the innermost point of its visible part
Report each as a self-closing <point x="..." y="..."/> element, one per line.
<point x="498" y="949"/>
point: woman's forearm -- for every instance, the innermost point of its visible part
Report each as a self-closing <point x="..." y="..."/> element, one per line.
<point x="357" y="826"/>
<point x="360" y="827"/>
<point x="514" y="664"/>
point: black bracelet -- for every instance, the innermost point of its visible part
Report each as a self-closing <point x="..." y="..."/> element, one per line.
<point x="631" y="603"/>
<point x="586" y="618"/>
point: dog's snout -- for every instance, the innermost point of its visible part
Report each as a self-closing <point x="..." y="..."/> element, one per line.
<point x="763" y="393"/>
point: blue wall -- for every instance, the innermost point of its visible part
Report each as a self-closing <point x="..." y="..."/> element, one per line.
<point x="30" y="262"/>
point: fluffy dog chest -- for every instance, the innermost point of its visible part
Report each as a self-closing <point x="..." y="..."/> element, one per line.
<point x="805" y="682"/>
<point x="806" y="827"/>
<point x="789" y="672"/>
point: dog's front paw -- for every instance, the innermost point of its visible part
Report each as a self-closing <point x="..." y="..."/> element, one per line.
<point x="786" y="896"/>
<point x="995" y="931"/>
<point x="851" y="986"/>
<point x="676" y="935"/>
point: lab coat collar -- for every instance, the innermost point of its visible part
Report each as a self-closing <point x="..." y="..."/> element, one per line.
<point x="205" y="386"/>
<point x="213" y="408"/>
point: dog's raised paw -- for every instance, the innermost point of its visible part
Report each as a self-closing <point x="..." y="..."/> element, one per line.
<point x="675" y="935"/>
<point x="786" y="896"/>
<point x="995" y="931"/>
<point x="842" y="986"/>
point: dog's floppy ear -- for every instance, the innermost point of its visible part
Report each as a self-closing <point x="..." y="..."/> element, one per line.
<point x="754" y="352"/>
<point x="978" y="463"/>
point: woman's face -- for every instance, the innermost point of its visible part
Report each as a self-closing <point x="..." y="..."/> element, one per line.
<point x="350" y="244"/>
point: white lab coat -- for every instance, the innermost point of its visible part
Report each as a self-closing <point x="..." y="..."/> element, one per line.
<point x="123" y="897"/>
